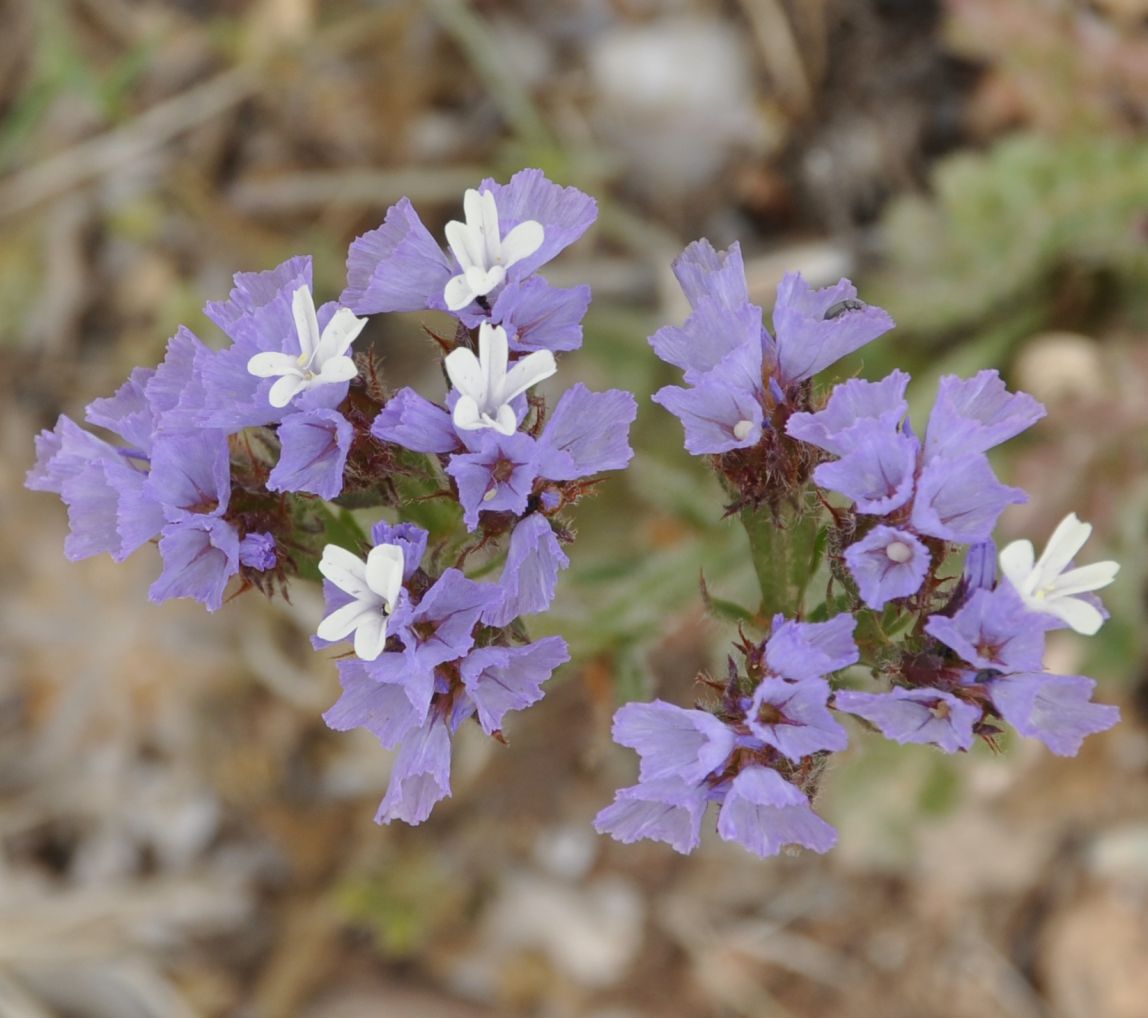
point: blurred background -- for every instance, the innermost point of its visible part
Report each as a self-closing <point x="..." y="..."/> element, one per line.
<point x="179" y="833"/>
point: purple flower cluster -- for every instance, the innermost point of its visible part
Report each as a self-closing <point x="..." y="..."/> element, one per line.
<point x="942" y="489"/>
<point x="740" y="381"/>
<point x="228" y="458"/>
<point x="755" y="756"/>
<point x="442" y="664"/>
<point x="893" y="511"/>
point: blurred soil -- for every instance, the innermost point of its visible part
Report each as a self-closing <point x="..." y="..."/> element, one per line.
<point x="180" y="835"/>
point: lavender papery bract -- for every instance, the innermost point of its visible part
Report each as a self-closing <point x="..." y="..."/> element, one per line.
<point x="313" y="448"/>
<point x="763" y="812"/>
<point x="400" y="267"/>
<point x="887" y="564"/>
<point x="794" y="718"/>
<point x="915" y="716"/>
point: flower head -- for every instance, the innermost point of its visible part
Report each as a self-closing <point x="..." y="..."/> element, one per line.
<point x="322" y="356"/>
<point x="487" y="384"/>
<point x="374" y="587"/>
<point x="483" y="253"/>
<point x="1045" y="585"/>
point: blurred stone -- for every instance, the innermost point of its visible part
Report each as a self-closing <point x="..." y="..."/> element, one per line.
<point x="567" y="851"/>
<point x="590" y="934"/>
<point x="1121" y="854"/>
<point x="1057" y="367"/>
<point x="1093" y="959"/>
<point x="675" y="96"/>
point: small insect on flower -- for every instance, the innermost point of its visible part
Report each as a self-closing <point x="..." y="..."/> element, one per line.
<point x="842" y="307"/>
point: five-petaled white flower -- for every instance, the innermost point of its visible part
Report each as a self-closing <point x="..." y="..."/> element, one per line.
<point x="374" y="585"/>
<point x="485" y="385"/>
<point x="483" y="253"/>
<point x="1046" y="587"/>
<point x="322" y="358"/>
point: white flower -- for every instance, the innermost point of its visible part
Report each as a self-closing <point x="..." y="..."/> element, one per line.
<point x="483" y="253"/>
<point x="374" y="585"/>
<point x="485" y="385"/>
<point x="1046" y="587"/>
<point x="323" y="359"/>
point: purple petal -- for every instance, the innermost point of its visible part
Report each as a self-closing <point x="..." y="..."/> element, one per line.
<point x="981" y="566"/>
<point x="723" y="411"/>
<point x="503" y="679"/>
<point x="94" y="480"/>
<point x="850" y="402"/>
<point x="673" y="742"/>
<point x="538" y="316"/>
<point x="974" y="414"/>
<point x="498" y="477"/>
<point x="564" y="212"/>
<point x="127" y="413"/>
<point x="810" y="650"/>
<point x="191" y="473"/>
<point x="794" y="718"/>
<point x="877" y="471"/>
<point x="176" y="392"/>
<point x="666" y="810"/>
<point x="314" y="447"/>
<point x="420" y="776"/>
<point x="199" y="555"/>
<point x="441" y="624"/>
<point x="960" y="499"/>
<point x="592" y="429"/>
<point x="806" y="342"/>
<point x="411" y="538"/>
<point x="915" y="715"/>
<point x="1056" y="709"/>
<point x="993" y="629"/>
<point x="709" y="335"/>
<point x="416" y="424"/>
<point x="707" y="274"/>
<point x="398" y="266"/>
<point x="887" y="564"/>
<point x="257" y="294"/>
<point x="382" y="708"/>
<point x="531" y="572"/>
<point x="257" y="551"/>
<point x="764" y="813"/>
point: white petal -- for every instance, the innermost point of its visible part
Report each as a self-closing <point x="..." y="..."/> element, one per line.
<point x="491" y="238"/>
<point x="338" y="369"/>
<point x="460" y="239"/>
<point x="522" y="242"/>
<point x="1090" y="577"/>
<point x="285" y="390"/>
<point x="347" y="571"/>
<point x="493" y="356"/>
<point x="457" y="293"/>
<point x="1016" y="561"/>
<point x="385" y="572"/>
<point x="1063" y="546"/>
<point x="465" y="373"/>
<point x="1080" y="615"/>
<point x="507" y="420"/>
<point x="371" y="636"/>
<point x="272" y="365"/>
<point x="482" y="281"/>
<point x="344" y="621"/>
<point x="306" y="322"/>
<point x="531" y="370"/>
<point x="472" y="208"/>
<point x="341" y="331"/>
<point x="467" y="416"/>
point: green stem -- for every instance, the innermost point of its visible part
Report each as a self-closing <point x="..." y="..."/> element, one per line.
<point x="782" y="555"/>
